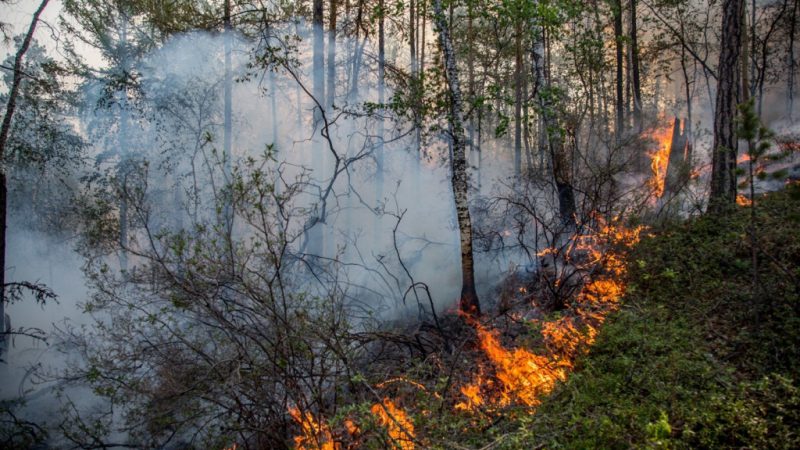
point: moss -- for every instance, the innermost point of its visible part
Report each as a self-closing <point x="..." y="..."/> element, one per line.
<point x="698" y="356"/>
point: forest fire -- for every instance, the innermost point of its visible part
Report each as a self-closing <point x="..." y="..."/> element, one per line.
<point x="523" y="377"/>
<point x="397" y="424"/>
<point x="659" y="159"/>
<point x="742" y="200"/>
<point x="315" y="435"/>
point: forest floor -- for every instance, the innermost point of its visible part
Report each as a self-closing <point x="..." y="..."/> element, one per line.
<point x="702" y="353"/>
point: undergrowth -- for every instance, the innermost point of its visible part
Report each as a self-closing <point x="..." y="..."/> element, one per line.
<point x="701" y="355"/>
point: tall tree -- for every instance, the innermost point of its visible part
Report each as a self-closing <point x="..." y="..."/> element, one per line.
<point x="724" y="150"/>
<point x="228" y="111"/>
<point x="331" y="77"/>
<point x="381" y="99"/>
<point x="315" y="235"/>
<point x="468" y="303"/>
<point x="5" y="130"/>
<point x="616" y="7"/>
<point x="637" y="85"/>
<point x="791" y="62"/>
<point x="518" y="97"/>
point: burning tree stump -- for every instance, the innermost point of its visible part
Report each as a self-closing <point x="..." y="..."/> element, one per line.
<point x="680" y="159"/>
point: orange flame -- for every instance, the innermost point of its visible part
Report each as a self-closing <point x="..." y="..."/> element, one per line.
<point x="314" y="435"/>
<point x="397" y="424"/>
<point x="523" y="377"/>
<point x="741" y="200"/>
<point x="659" y="159"/>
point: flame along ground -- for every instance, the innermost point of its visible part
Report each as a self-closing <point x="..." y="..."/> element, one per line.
<point x="514" y="376"/>
<point x="659" y="158"/>
<point x="523" y="377"/>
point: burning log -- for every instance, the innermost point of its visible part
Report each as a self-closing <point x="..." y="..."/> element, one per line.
<point x="670" y="163"/>
<point x="679" y="165"/>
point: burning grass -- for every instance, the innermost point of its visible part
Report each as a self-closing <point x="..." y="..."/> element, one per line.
<point x="500" y="371"/>
<point x="522" y="377"/>
<point x="686" y="364"/>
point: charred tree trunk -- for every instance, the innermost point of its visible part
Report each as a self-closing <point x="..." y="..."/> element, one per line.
<point x="469" y="303"/>
<point x="723" y="164"/>
<point x="5" y="132"/>
<point x="677" y="170"/>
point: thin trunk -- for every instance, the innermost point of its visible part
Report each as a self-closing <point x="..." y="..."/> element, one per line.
<point x="526" y="129"/>
<point x="469" y="303"/>
<point x="331" y="88"/>
<point x="620" y="121"/>
<point x="518" y="100"/>
<point x="744" y="88"/>
<point x="228" y="125"/>
<point x="723" y="165"/>
<point x="330" y="91"/>
<point x="412" y="39"/>
<point x="753" y="55"/>
<point x="381" y="99"/>
<point x="471" y="74"/>
<point x="687" y="125"/>
<point x="123" y="148"/>
<point x="637" y="87"/>
<point x="791" y="63"/>
<point x="5" y="131"/>
<point x="315" y="235"/>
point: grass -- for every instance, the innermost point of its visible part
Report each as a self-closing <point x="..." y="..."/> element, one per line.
<point x="698" y="356"/>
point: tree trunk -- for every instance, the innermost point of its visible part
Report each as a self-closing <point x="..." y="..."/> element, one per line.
<point x="687" y="125"/>
<point x="123" y="167"/>
<point x="637" y="86"/>
<point x="723" y="165"/>
<point x="471" y="76"/>
<point x="315" y="235"/>
<point x="791" y="63"/>
<point x="331" y="78"/>
<point x="5" y="131"/>
<point x="518" y="100"/>
<point x="381" y="99"/>
<point x="228" y="120"/>
<point x="620" y="104"/>
<point x="469" y="303"/>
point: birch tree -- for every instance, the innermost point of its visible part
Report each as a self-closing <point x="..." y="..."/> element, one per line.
<point x="468" y="303"/>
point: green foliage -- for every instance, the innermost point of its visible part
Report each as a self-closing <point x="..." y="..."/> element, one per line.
<point x="690" y="361"/>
